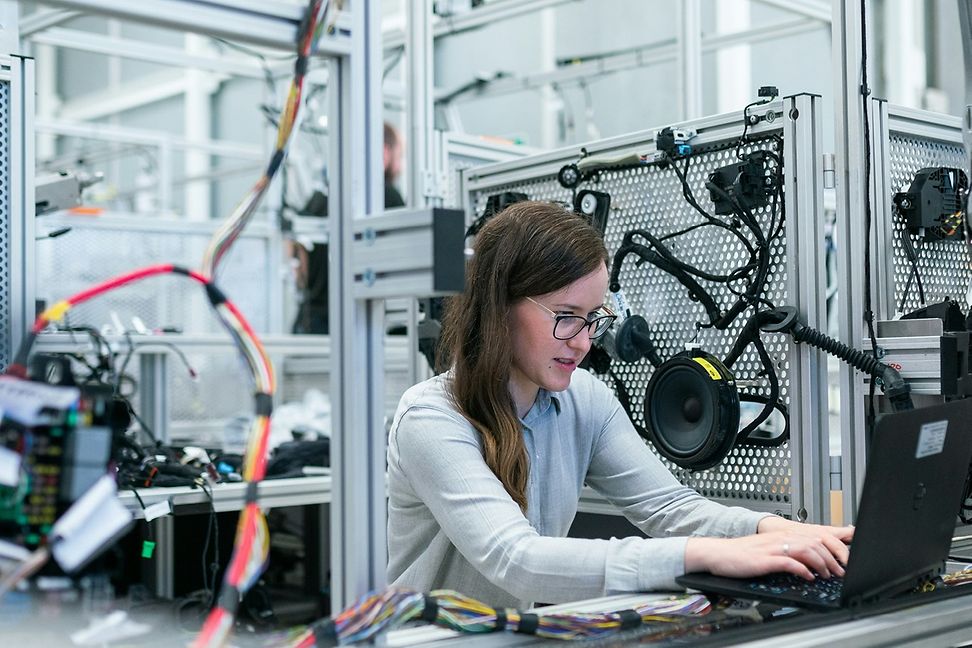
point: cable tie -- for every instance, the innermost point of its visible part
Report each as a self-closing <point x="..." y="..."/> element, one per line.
<point x="180" y="270"/>
<point x="263" y="402"/>
<point x="528" y="624"/>
<point x="431" y="609"/>
<point x="216" y="296"/>
<point x="275" y="162"/>
<point x="325" y="633"/>
<point x="252" y="493"/>
<point x="629" y="619"/>
<point x="229" y="598"/>
<point x="500" y="624"/>
<point x="300" y="66"/>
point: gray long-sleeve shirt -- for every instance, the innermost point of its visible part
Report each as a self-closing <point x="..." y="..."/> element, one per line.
<point x="451" y="524"/>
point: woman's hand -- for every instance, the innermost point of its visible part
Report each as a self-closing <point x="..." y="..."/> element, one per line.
<point x="779" y="546"/>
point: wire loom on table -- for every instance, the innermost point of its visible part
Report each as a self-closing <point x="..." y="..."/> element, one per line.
<point x="378" y="612"/>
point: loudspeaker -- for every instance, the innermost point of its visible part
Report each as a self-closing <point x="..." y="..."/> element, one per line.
<point x="596" y="205"/>
<point x="691" y="410"/>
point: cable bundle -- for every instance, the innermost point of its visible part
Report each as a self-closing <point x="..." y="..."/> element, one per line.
<point x="311" y="29"/>
<point x="378" y="612"/>
<point x="963" y="577"/>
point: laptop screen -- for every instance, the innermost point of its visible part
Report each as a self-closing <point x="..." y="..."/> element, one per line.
<point x="917" y="466"/>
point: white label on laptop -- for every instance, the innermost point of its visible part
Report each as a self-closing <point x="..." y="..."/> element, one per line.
<point x="931" y="440"/>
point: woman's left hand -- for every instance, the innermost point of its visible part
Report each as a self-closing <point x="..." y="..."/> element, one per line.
<point x="834" y="538"/>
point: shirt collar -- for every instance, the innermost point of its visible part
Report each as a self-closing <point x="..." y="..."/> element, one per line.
<point x="544" y="400"/>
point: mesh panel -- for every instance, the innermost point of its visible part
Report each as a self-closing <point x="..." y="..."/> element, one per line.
<point x="5" y="216"/>
<point x="458" y="163"/>
<point x="89" y="255"/>
<point x="945" y="266"/>
<point x="651" y="198"/>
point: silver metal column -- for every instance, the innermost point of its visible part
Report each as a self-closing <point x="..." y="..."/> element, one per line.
<point x="803" y="187"/>
<point x="690" y="58"/>
<point x="423" y="184"/>
<point x="849" y="158"/>
<point x="20" y="231"/>
<point x="358" y="440"/>
<point x="153" y="393"/>
<point x="965" y="29"/>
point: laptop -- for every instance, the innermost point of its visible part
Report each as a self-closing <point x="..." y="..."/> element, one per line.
<point x="913" y="486"/>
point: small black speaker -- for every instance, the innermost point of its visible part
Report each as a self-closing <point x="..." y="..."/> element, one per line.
<point x="692" y="410"/>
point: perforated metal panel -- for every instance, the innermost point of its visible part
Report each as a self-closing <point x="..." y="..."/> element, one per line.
<point x="651" y="198"/>
<point x="6" y="276"/>
<point x="465" y="152"/>
<point x="93" y="252"/>
<point x="916" y="141"/>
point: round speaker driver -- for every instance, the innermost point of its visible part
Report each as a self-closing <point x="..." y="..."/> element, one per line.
<point x="691" y="410"/>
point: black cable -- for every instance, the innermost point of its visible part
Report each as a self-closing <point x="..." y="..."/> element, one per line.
<point x="128" y="358"/>
<point x="915" y="273"/>
<point x="689" y="196"/>
<point x="210" y="570"/>
<point x="743" y="139"/>
<point x="772" y="399"/>
<point x="663" y="250"/>
<point x="647" y="254"/>
<point x="865" y="92"/>
<point x="148" y="525"/>
<point x="780" y="407"/>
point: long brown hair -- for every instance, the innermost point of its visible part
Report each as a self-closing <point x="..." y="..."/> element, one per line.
<point x="531" y="248"/>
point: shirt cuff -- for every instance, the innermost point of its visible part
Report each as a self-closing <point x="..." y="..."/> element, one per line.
<point x="645" y="564"/>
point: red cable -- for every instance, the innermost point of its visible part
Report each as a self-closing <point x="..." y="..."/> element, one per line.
<point x="117" y="282"/>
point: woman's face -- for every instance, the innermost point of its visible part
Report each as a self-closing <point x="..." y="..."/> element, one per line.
<point x="540" y="359"/>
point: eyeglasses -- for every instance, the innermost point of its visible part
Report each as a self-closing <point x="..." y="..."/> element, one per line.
<point x="568" y="326"/>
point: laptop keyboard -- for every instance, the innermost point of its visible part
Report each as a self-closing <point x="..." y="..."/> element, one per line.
<point x="822" y="590"/>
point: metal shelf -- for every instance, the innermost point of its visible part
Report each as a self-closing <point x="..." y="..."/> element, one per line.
<point x="273" y="493"/>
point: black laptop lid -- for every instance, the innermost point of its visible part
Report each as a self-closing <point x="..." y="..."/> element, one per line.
<point x="916" y="470"/>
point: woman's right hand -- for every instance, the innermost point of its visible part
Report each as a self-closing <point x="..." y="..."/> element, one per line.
<point x="765" y="553"/>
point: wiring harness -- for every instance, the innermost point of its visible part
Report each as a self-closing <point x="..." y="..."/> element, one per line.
<point x="378" y="612"/>
<point x="315" y="23"/>
<point x="747" y="282"/>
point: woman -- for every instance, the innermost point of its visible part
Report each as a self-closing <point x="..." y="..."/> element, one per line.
<point x="486" y="462"/>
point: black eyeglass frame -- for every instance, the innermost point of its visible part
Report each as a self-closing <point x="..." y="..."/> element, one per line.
<point x="594" y="322"/>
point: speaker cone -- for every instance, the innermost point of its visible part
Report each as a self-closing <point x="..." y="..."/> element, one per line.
<point x="691" y="410"/>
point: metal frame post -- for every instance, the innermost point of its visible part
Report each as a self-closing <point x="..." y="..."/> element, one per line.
<point x="358" y="439"/>
<point x="965" y="29"/>
<point x="21" y="232"/>
<point x="850" y="185"/>
<point x="803" y="186"/>
<point x="423" y="183"/>
<point x="690" y="58"/>
<point x="154" y="393"/>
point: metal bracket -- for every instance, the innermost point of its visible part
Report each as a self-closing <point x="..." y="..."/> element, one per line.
<point x="434" y="184"/>
<point x="418" y="253"/>
<point x="933" y="361"/>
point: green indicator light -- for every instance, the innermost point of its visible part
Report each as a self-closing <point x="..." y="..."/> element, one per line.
<point x="148" y="547"/>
